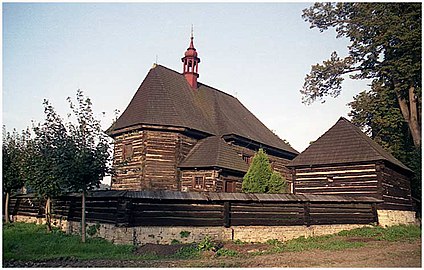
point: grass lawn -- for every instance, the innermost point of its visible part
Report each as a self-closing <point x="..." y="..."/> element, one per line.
<point x="27" y="242"/>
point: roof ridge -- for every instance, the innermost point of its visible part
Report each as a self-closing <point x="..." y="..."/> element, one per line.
<point x="204" y="84"/>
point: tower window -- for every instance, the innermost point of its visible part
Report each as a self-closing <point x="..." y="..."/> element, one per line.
<point x="198" y="182"/>
<point x="127" y="151"/>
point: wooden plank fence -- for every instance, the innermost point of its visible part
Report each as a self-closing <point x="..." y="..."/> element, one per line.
<point x="167" y="208"/>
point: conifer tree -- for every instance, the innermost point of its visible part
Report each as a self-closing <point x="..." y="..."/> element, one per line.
<point x="257" y="177"/>
<point x="277" y="183"/>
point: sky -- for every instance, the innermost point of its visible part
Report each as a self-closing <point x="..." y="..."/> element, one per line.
<point x="257" y="52"/>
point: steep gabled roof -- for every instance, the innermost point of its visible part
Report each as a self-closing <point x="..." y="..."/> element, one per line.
<point x="165" y="98"/>
<point x="214" y="152"/>
<point x="343" y="143"/>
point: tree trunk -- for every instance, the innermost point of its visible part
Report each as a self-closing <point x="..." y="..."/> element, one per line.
<point x="410" y="114"/>
<point x="48" y="216"/>
<point x="6" y="209"/>
<point x="414" y="124"/>
<point x="83" y="218"/>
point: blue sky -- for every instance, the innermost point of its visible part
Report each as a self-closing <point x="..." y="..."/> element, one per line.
<point x="258" y="52"/>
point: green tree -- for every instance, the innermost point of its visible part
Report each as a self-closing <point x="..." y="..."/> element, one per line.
<point x="375" y="111"/>
<point x="91" y="151"/>
<point x="277" y="183"/>
<point x="385" y="45"/>
<point x="257" y="177"/>
<point x="13" y="179"/>
<point x="48" y="158"/>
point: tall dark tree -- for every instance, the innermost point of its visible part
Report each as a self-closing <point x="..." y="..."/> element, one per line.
<point x="375" y="111"/>
<point x="91" y="151"/>
<point x="385" y="45"/>
<point x="13" y="154"/>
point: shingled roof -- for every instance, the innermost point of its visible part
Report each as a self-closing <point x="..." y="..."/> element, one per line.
<point x="214" y="152"/>
<point x="343" y="143"/>
<point x="165" y="98"/>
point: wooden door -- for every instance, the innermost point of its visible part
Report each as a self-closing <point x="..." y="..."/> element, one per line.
<point x="230" y="186"/>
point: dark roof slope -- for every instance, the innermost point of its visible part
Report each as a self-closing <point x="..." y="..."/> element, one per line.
<point x="165" y="98"/>
<point x="343" y="143"/>
<point x="214" y="152"/>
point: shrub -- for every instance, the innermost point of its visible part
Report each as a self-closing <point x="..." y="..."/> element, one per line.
<point x="256" y="178"/>
<point x="206" y="244"/>
<point x="277" y="183"/>
<point x="185" y="234"/>
<point x="226" y="252"/>
<point x="175" y="242"/>
<point x="187" y="252"/>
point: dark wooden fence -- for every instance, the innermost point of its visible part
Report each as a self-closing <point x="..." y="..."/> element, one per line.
<point x="167" y="208"/>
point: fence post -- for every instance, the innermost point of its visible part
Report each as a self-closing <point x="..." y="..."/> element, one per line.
<point x="374" y="212"/>
<point x="227" y="210"/>
<point x="306" y="214"/>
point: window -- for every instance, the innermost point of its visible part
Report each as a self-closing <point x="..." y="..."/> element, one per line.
<point x="230" y="186"/>
<point x="246" y="158"/>
<point x="198" y="182"/>
<point x="127" y="151"/>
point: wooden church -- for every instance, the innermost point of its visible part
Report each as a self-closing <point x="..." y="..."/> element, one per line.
<point x="180" y="134"/>
<point x="345" y="161"/>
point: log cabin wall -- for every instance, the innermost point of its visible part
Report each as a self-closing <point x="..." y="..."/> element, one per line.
<point x="355" y="179"/>
<point x="129" y="170"/>
<point x="208" y="180"/>
<point x="148" y="159"/>
<point x="396" y="190"/>
<point x="229" y="182"/>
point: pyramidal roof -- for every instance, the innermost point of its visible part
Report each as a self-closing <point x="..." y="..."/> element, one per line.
<point x="344" y="143"/>
<point x="214" y="151"/>
<point x="165" y="98"/>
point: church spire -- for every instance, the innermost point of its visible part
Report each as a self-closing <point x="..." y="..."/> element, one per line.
<point x="191" y="63"/>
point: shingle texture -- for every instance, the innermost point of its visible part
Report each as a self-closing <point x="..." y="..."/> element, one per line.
<point x="214" y="151"/>
<point x="343" y="143"/>
<point x="165" y="98"/>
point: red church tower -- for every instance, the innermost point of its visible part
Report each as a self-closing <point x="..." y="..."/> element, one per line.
<point x="191" y="64"/>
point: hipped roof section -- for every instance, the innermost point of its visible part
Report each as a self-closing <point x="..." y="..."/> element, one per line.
<point x="165" y="98"/>
<point x="343" y="143"/>
<point x="214" y="152"/>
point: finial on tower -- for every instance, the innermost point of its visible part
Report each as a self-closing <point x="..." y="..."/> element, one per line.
<point x="191" y="63"/>
<point x="192" y="31"/>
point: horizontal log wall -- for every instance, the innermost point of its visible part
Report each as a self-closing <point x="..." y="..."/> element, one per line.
<point x="338" y="180"/>
<point x="396" y="190"/>
<point x="129" y="172"/>
<point x="160" y="169"/>
<point x="153" y="164"/>
<point x="210" y="178"/>
<point x="131" y="212"/>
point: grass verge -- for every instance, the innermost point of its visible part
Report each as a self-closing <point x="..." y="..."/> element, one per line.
<point x="24" y="241"/>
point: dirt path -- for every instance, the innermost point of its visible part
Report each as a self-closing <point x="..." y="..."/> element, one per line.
<point x="374" y="254"/>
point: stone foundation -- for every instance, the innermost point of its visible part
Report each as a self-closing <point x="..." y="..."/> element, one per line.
<point x="166" y="235"/>
<point x="396" y="217"/>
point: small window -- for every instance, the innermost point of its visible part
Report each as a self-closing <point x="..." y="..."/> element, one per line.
<point x="198" y="182"/>
<point x="127" y="151"/>
<point x="247" y="159"/>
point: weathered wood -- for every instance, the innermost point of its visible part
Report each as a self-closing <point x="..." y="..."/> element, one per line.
<point x="306" y="214"/>
<point x="227" y="214"/>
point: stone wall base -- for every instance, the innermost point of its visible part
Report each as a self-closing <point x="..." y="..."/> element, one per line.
<point x="188" y="234"/>
<point x="396" y="217"/>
